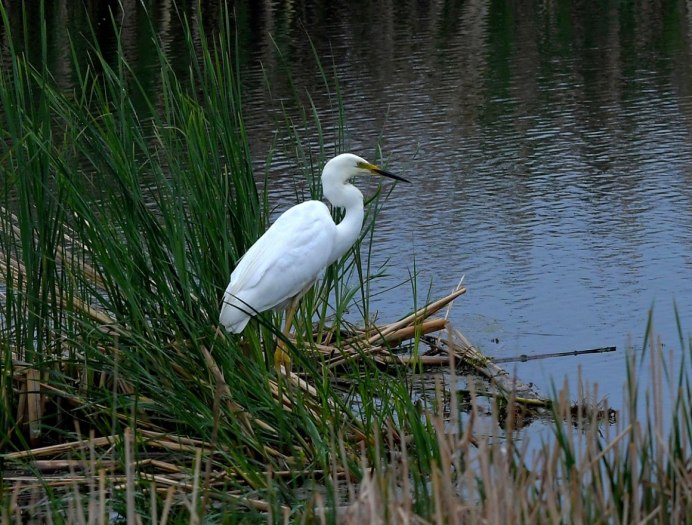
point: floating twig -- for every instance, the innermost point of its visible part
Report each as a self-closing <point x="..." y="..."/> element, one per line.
<point x="524" y="357"/>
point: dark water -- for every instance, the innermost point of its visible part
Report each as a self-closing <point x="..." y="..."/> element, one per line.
<point x="549" y="145"/>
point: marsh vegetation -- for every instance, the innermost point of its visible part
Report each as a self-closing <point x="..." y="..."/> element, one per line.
<point x="121" y="401"/>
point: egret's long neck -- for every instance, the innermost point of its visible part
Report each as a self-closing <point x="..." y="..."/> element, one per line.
<point x="347" y="196"/>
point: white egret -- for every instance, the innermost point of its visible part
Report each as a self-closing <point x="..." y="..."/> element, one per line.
<point x="285" y="262"/>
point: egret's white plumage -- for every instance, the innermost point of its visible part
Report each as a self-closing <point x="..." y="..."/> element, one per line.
<point x="263" y="281"/>
<point x="295" y="250"/>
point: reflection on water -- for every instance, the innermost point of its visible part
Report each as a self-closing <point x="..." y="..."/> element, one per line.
<point x="550" y="146"/>
<point x="551" y="150"/>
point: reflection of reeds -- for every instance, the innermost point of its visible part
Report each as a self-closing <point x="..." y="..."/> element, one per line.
<point x="118" y="229"/>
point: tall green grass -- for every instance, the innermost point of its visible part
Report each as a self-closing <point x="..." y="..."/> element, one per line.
<point x="129" y="222"/>
<point x="120" y="226"/>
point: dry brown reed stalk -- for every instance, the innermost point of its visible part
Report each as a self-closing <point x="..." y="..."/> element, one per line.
<point x="225" y="392"/>
<point x="181" y="480"/>
<point x="498" y="482"/>
<point x="507" y="481"/>
<point x="412" y="319"/>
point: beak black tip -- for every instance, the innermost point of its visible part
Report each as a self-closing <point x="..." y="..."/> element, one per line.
<point x="387" y="174"/>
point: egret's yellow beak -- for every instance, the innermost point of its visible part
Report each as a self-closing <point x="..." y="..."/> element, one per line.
<point x="376" y="170"/>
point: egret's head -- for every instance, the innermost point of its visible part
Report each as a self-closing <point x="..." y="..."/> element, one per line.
<point x="348" y="165"/>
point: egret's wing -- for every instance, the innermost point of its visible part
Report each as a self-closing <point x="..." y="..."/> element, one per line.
<point x="285" y="260"/>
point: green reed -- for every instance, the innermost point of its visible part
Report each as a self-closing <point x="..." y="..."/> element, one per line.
<point x="139" y="215"/>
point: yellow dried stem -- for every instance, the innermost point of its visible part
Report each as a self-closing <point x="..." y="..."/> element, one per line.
<point x="61" y="448"/>
<point x="33" y="404"/>
<point x="421" y="313"/>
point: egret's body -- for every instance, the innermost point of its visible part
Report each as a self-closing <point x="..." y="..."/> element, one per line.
<point x="295" y="250"/>
<point x="263" y="281"/>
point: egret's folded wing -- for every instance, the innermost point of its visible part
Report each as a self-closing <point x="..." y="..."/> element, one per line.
<point x="285" y="260"/>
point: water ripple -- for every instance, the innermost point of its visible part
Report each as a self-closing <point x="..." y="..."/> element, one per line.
<point x="556" y="175"/>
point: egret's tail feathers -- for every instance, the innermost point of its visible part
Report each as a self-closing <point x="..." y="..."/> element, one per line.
<point x="235" y="314"/>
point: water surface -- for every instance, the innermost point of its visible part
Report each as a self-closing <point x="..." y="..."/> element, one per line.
<point x="550" y="149"/>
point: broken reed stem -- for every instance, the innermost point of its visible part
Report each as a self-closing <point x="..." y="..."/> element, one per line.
<point x="220" y="381"/>
<point x="61" y="448"/>
<point x="34" y="407"/>
<point x="424" y="313"/>
<point x="155" y="439"/>
<point x="409" y="332"/>
<point x="49" y="465"/>
<point x="130" y="477"/>
<point x="393" y="338"/>
<point x="225" y="392"/>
